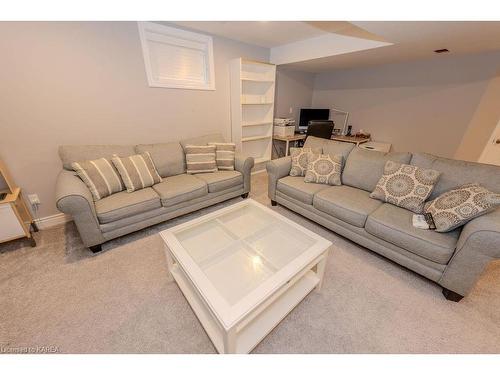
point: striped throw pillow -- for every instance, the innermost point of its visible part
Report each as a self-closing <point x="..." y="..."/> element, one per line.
<point x="137" y="171"/>
<point x="224" y="155"/>
<point x="200" y="159"/>
<point x="100" y="176"/>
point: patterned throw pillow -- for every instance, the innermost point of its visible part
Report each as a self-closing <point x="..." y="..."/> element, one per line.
<point x="405" y="186"/>
<point x="137" y="171"/>
<point x="458" y="206"/>
<point x="200" y="159"/>
<point x="100" y="176"/>
<point x="224" y="155"/>
<point x="324" y="169"/>
<point x="300" y="160"/>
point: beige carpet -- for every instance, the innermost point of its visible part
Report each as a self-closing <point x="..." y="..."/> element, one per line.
<point x="122" y="301"/>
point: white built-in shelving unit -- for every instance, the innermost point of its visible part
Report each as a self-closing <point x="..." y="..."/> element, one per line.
<point x="252" y="107"/>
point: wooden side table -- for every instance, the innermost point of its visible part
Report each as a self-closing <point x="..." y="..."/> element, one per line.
<point x="15" y="218"/>
<point x="288" y="139"/>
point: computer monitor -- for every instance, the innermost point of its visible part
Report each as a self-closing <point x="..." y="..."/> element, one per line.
<point x="308" y="114"/>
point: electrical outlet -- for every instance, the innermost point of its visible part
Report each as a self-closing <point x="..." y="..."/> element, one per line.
<point x="33" y="199"/>
<point x="290" y="110"/>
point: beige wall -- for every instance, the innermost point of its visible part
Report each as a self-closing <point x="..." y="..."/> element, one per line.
<point x="417" y="106"/>
<point x="293" y="89"/>
<point x="84" y="82"/>
<point x="483" y="123"/>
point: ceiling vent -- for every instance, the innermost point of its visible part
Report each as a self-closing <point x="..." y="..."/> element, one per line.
<point x="442" y="50"/>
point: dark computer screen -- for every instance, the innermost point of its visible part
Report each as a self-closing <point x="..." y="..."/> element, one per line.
<point x="308" y="114"/>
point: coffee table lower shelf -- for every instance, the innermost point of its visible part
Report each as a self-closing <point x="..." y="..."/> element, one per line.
<point x="249" y="332"/>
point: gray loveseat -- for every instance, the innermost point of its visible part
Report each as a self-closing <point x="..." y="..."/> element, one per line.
<point x="122" y="213"/>
<point x="454" y="260"/>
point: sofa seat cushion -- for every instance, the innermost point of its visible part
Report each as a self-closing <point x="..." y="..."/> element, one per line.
<point x="180" y="188"/>
<point x="121" y="205"/>
<point x="346" y="203"/>
<point x="296" y="188"/>
<point x="394" y="224"/>
<point x="221" y="180"/>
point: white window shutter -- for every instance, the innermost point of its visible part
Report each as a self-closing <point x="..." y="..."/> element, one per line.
<point x="177" y="58"/>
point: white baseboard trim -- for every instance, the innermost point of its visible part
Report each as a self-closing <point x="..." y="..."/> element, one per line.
<point x="52" y="220"/>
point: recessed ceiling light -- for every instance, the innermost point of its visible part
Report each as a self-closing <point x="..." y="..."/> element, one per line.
<point x="442" y="50"/>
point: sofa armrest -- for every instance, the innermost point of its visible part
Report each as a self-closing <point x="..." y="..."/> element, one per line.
<point x="478" y="244"/>
<point x="276" y="169"/>
<point x="74" y="198"/>
<point x="244" y="165"/>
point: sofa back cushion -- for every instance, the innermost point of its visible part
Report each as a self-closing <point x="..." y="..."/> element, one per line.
<point x="314" y="142"/>
<point x="203" y="140"/>
<point x="455" y="173"/>
<point x="75" y="153"/>
<point x="363" y="168"/>
<point x="168" y="158"/>
<point x="329" y="146"/>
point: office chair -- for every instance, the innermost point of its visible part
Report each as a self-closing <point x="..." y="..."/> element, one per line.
<point x="320" y="129"/>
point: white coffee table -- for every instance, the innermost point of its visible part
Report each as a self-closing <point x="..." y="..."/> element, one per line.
<point x="242" y="269"/>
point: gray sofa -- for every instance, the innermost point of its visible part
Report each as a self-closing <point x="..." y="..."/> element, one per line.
<point x="454" y="260"/>
<point x="122" y="213"/>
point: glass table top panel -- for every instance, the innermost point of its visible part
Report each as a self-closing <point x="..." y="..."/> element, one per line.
<point x="240" y="249"/>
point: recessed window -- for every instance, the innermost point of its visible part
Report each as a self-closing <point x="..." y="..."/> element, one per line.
<point x="177" y="58"/>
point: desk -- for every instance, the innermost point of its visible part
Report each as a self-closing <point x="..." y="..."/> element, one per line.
<point x="287" y="140"/>
<point x="350" y="139"/>
<point x="376" y="146"/>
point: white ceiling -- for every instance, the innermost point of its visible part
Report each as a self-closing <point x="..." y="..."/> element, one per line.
<point x="413" y="41"/>
<point x="264" y="34"/>
<point x="410" y="40"/>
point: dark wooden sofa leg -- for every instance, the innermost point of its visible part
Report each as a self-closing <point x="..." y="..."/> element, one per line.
<point x="96" y="248"/>
<point x="274" y="203"/>
<point x="451" y="295"/>
<point x="244" y="196"/>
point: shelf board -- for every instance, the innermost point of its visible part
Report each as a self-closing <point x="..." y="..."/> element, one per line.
<point x="11" y="196"/>
<point x="258" y="80"/>
<point x="256" y="330"/>
<point x="256" y="103"/>
<point x="257" y="123"/>
<point x="255" y="138"/>
<point x="255" y="62"/>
